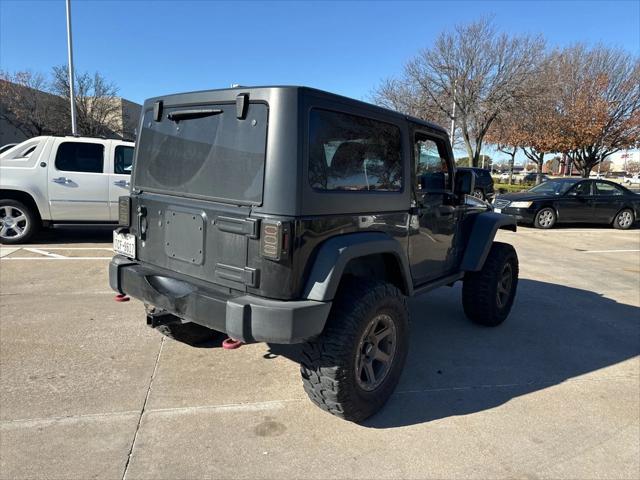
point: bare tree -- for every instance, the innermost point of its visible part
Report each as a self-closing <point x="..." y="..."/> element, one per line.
<point x="27" y="106"/>
<point x="598" y="105"/>
<point x="479" y="69"/>
<point x="98" y="107"/>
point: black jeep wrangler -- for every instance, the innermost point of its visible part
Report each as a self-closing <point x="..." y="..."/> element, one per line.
<point x="287" y="215"/>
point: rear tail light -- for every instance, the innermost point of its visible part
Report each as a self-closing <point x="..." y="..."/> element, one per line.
<point x="124" y="211"/>
<point x="274" y="239"/>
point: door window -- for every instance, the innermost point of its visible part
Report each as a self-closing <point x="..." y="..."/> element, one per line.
<point x="80" y="157"/>
<point x="431" y="167"/>
<point x="583" y="188"/>
<point x="607" y="189"/>
<point x="123" y="160"/>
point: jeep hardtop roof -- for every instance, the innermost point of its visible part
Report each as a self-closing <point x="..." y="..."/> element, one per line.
<point x="303" y="89"/>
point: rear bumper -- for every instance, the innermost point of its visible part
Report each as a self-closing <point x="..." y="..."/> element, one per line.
<point x="242" y="317"/>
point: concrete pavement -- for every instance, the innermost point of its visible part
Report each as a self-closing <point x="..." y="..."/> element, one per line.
<point x="88" y="391"/>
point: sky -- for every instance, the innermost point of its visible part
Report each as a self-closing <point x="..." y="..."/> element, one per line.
<point x="151" y="48"/>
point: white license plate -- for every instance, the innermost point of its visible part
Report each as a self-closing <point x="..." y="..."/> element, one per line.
<point x="497" y="210"/>
<point x="125" y="244"/>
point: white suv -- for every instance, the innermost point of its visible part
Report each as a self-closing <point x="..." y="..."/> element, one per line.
<point x="48" y="180"/>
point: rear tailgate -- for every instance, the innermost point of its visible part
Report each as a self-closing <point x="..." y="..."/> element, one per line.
<point x="197" y="173"/>
<point x="202" y="239"/>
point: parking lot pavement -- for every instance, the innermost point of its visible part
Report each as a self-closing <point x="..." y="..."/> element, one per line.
<point x="88" y="391"/>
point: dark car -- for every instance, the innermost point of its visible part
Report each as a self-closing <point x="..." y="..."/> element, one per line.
<point x="533" y="178"/>
<point x="572" y="200"/>
<point x="484" y="183"/>
<point x="291" y="215"/>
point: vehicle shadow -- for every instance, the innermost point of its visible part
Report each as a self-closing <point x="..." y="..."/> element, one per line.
<point x="74" y="234"/>
<point x="554" y="333"/>
<point x="568" y="226"/>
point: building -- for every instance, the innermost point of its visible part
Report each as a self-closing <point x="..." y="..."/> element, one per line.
<point x="51" y="107"/>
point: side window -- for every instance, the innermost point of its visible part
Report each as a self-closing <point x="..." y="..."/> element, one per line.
<point x="431" y="166"/>
<point x="351" y="153"/>
<point x="583" y="188"/>
<point x="123" y="160"/>
<point x="80" y="157"/>
<point x="607" y="189"/>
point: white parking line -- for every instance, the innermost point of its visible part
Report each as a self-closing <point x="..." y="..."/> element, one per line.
<point x="4" y="251"/>
<point x="59" y="257"/>
<point x="44" y="252"/>
<point x="610" y="251"/>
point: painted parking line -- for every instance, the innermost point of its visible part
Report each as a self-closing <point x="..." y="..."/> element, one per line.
<point x="609" y="251"/>
<point x="44" y="252"/>
<point x="4" y="251"/>
<point x="6" y="259"/>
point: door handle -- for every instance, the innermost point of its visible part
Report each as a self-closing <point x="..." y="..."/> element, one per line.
<point x="122" y="183"/>
<point x="62" y="180"/>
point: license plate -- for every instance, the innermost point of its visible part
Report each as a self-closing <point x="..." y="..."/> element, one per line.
<point x="125" y="244"/>
<point x="497" y="210"/>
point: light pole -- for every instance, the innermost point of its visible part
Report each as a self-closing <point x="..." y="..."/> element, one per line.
<point x="74" y="129"/>
<point x="453" y="114"/>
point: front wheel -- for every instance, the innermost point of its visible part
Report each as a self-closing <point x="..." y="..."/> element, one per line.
<point x="487" y="295"/>
<point x="18" y="222"/>
<point x="353" y="367"/>
<point x="545" y="218"/>
<point x="624" y="219"/>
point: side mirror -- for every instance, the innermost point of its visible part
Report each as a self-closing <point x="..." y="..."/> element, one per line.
<point x="465" y="182"/>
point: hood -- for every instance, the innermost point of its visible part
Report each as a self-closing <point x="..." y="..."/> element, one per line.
<point x="524" y="196"/>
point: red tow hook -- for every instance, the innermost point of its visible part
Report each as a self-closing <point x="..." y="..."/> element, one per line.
<point x="121" y="298"/>
<point x="231" y="343"/>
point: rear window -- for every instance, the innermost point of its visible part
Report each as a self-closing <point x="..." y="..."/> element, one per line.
<point x="213" y="155"/>
<point x="351" y="153"/>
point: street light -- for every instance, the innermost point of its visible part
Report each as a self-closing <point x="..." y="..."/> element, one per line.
<point x="74" y="130"/>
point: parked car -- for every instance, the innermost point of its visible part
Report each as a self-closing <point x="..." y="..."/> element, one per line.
<point x="572" y="200"/>
<point x="533" y="177"/>
<point x="505" y="176"/>
<point x="314" y="227"/>
<point x="48" y="180"/>
<point x="6" y="147"/>
<point x="634" y="180"/>
<point x="484" y="183"/>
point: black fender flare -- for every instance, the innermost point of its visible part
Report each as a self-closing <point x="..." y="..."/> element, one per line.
<point x="334" y="254"/>
<point x="483" y="232"/>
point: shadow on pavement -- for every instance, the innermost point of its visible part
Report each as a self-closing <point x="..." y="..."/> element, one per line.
<point x="61" y="234"/>
<point x="554" y="333"/>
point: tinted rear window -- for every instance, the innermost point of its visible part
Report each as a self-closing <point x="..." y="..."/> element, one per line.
<point x="219" y="156"/>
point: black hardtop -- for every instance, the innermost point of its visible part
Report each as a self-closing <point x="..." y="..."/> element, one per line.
<point x="233" y="91"/>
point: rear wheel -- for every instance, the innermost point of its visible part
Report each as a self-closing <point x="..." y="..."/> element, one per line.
<point x="624" y="219"/>
<point x="487" y="295"/>
<point x="18" y="222"/>
<point x="545" y="218"/>
<point x="353" y="367"/>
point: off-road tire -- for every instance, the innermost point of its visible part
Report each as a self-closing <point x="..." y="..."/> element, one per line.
<point x="32" y="222"/>
<point x="542" y="215"/>
<point x="189" y="333"/>
<point x="620" y="222"/>
<point x="328" y="365"/>
<point x="480" y="289"/>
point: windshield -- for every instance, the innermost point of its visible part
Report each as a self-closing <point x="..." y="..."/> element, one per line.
<point x="554" y="188"/>
<point x="204" y="151"/>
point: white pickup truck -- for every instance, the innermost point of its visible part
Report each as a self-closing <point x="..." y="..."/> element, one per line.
<point x="47" y="180"/>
